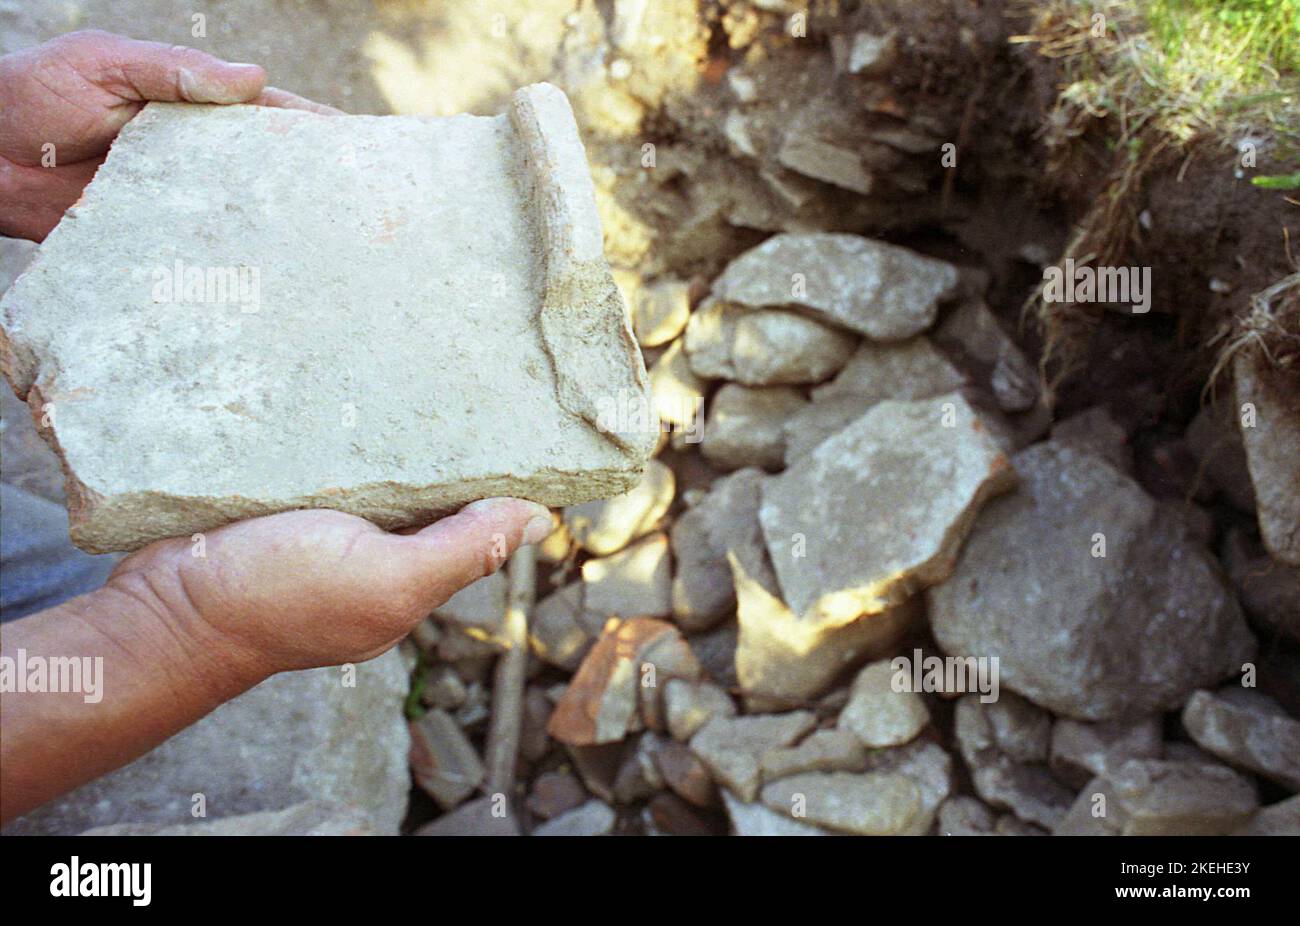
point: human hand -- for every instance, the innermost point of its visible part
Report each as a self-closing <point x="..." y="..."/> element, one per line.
<point x="62" y="104"/>
<point x="312" y="588"/>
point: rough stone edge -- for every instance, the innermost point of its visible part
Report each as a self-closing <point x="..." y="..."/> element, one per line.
<point x="576" y="274"/>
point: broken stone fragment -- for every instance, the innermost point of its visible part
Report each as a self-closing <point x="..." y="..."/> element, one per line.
<point x="1247" y="729"/>
<point x="1094" y="431"/>
<point x="606" y="526"/>
<point x="560" y="630"/>
<point x="883" y="291"/>
<point x="478" y="609"/>
<point x="725" y="520"/>
<point x="1268" y="589"/>
<point x="689" y="705"/>
<point x="443" y="761"/>
<point x="965" y="816"/>
<point x="765" y="347"/>
<point x="632" y="659"/>
<point x="864" y="53"/>
<point x="661" y="311"/>
<point x="686" y="775"/>
<point x="753" y="819"/>
<point x="877" y="714"/>
<point x="310" y="818"/>
<point x="636" y="582"/>
<point x="821" y="751"/>
<point x="1280" y="819"/>
<point x="678" y="393"/>
<point x="593" y="818"/>
<point x="1082" y="751"/>
<point x="1007" y="757"/>
<point x="297" y="736"/>
<point x="831" y="519"/>
<point x="215" y="346"/>
<point x="912" y="369"/>
<point x="868" y="804"/>
<point x="1034" y="560"/>
<point x="1269" y="401"/>
<point x="733" y="747"/>
<point x="746" y="425"/>
<point x="1152" y="797"/>
<point x="972" y="335"/>
<point x="486" y="816"/>
<point x="930" y="769"/>
<point x="555" y="792"/>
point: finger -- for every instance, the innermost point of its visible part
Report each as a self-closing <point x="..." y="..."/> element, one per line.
<point x="140" y="71"/>
<point x="450" y="554"/>
<point x="283" y="99"/>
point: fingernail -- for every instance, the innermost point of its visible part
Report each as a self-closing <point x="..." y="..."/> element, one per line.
<point x="539" y="528"/>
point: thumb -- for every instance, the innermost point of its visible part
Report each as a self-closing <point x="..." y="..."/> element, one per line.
<point x="142" y="71"/>
<point x="446" y="556"/>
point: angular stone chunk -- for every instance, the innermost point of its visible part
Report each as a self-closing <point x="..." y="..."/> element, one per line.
<point x="479" y="608"/>
<point x="594" y="818"/>
<point x="310" y="818"/>
<point x="832" y="520"/>
<point x="912" y="369"/>
<point x="661" y="311"/>
<point x="930" y="769"/>
<point x="971" y="334"/>
<point x="688" y="706"/>
<point x="879" y="716"/>
<point x="1280" y="819"/>
<point x="560" y="631"/>
<point x="821" y="751"/>
<point x="608" y="525"/>
<point x="1151" y="797"/>
<point x="756" y="820"/>
<point x="1082" y="751"/>
<point x="869" y="804"/>
<point x="883" y="291"/>
<point x="768" y="347"/>
<point x="1268" y="589"/>
<point x="1091" y="637"/>
<point x="725" y="520"/>
<point x="733" y="747"/>
<point x="388" y="316"/>
<point x="746" y="425"/>
<point x="1004" y="746"/>
<point x="1272" y="450"/>
<point x="443" y="760"/>
<point x="297" y="736"/>
<point x="636" y="582"/>
<point x="678" y="392"/>
<point x="1246" y="729"/>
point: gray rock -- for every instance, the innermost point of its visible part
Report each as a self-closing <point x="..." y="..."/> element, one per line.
<point x="868" y="804"/>
<point x="487" y="816"/>
<point x="912" y="369"/>
<point x="831" y="519"/>
<point x="259" y="402"/>
<point x="965" y="816"/>
<point x="1273" y="451"/>
<point x="608" y="525"/>
<point x="877" y="714"/>
<point x="554" y="793"/>
<point x="928" y="766"/>
<point x="820" y="751"/>
<point x="1151" y="797"/>
<point x="661" y="311"/>
<point x="1130" y="633"/>
<point x="1082" y="751"/>
<point x="1215" y="439"/>
<point x="864" y="53"/>
<point x="593" y="818"/>
<point x="636" y="582"/>
<point x="479" y="608"/>
<point x="746" y="425"/>
<point x="1094" y="431"/>
<point x="1269" y="590"/>
<point x="764" y="347"/>
<point x="754" y="819"/>
<point x="972" y="335"/>
<point x="1246" y="729"/>
<point x="678" y="392"/>
<point x="732" y="748"/>
<point x="1026" y="788"/>
<point x="725" y="520"/>
<point x="883" y="291"/>
<point x="1280" y="819"/>
<point x="560" y="630"/>
<point x="295" y="737"/>
<point x="310" y="818"/>
<point x="689" y="705"/>
<point x="443" y="761"/>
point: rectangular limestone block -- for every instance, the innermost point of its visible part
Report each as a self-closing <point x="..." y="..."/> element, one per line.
<point x="253" y="310"/>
